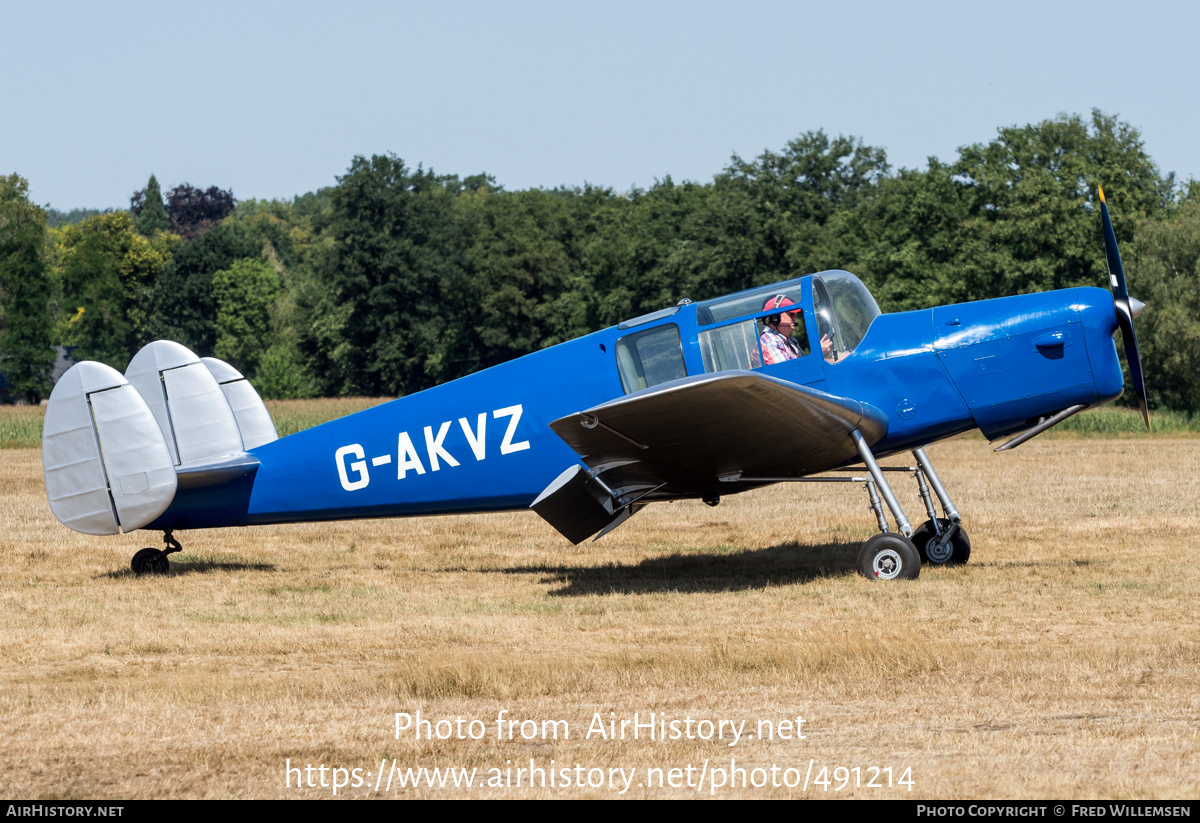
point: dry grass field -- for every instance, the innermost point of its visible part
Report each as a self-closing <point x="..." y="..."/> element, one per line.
<point x="1062" y="662"/>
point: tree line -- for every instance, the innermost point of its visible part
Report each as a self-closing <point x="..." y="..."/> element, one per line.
<point x="398" y="278"/>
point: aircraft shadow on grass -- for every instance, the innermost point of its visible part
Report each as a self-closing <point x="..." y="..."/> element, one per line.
<point x="782" y="565"/>
<point x="181" y="567"/>
<point x="785" y="564"/>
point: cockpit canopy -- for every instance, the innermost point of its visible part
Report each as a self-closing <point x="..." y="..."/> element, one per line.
<point x="731" y="329"/>
<point x="841" y="306"/>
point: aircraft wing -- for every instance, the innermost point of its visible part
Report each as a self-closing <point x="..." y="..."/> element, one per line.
<point x="679" y="439"/>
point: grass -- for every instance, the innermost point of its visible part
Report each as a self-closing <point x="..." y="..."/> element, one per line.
<point x="21" y="427"/>
<point x="291" y="416"/>
<point x="1116" y="421"/>
<point x="1060" y="662"/>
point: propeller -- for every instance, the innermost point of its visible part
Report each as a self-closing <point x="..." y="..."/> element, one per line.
<point x="1127" y="308"/>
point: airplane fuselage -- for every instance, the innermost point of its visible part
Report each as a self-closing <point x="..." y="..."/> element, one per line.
<point x="483" y="442"/>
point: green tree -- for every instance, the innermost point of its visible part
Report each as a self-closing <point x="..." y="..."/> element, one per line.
<point x="183" y="306"/>
<point x="152" y="215"/>
<point x="759" y="221"/>
<point x="522" y="267"/>
<point x="106" y="271"/>
<point x="284" y="375"/>
<point x="290" y="240"/>
<point x="289" y="228"/>
<point x="26" y="355"/>
<point x="795" y="193"/>
<point x="640" y="251"/>
<point x="1016" y="215"/>
<point x="54" y="217"/>
<point x="1164" y="272"/>
<point x="396" y="303"/>
<point x="912" y="241"/>
<point x="244" y="295"/>
<point x="1034" y="202"/>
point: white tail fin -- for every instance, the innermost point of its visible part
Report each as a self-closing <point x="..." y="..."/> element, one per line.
<point x="106" y="464"/>
<point x="195" y="418"/>
<point x="251" y="413"/>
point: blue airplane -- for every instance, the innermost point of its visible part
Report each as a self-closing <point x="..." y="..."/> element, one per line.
<point x="699" y="400"/>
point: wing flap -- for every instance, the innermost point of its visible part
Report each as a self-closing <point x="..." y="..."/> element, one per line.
<point x="577" y="505"/>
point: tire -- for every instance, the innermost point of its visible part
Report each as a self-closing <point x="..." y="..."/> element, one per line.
<point x="144" y="562"/>
<point x="960" y="544"/>
<point x="889" y="557"/>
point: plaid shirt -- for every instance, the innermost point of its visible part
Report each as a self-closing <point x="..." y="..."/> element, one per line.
<point x="776" y="348"/>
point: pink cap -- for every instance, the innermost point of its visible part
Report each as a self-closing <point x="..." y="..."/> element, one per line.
<point x="779" y="302"/>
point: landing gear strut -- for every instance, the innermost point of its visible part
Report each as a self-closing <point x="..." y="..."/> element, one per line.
<point x="154" y="561"/>
<point x="885" y="556"/>
<point x="938" y="541"/>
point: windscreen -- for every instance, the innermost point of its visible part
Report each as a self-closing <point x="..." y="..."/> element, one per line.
<point x="845" y="310"/>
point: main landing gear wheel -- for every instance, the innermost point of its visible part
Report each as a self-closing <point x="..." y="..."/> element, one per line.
<point x="889" y="557"/>
<point x="940" y="553"/>
<point x="150" y="561"/>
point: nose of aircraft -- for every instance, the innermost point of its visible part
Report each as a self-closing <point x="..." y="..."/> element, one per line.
<point x="1135" y="307"/>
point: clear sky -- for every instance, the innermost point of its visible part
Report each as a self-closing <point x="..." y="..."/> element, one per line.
<point x="273" y="99"/>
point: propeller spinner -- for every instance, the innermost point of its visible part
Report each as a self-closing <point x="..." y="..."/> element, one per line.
<point x="1127" y="308"/>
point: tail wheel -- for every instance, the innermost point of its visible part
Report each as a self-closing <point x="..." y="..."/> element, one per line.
<point x="150" y="561"/>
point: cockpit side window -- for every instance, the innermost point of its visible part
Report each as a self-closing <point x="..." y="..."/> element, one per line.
<point x="731" y="347"/>
<point x="826" y="322"/>
<point x="650" y="357"/>
<point x="735" y="341"/>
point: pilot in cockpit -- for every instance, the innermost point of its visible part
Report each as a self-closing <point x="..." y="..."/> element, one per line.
<point x="776" y="340"/>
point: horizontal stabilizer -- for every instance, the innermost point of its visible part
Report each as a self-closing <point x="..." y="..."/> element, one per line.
<point x="106" y="465"/>
<point x="214" y="474"/>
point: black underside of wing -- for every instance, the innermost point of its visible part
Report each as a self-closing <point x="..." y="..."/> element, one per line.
<point x="682" y="437"/>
